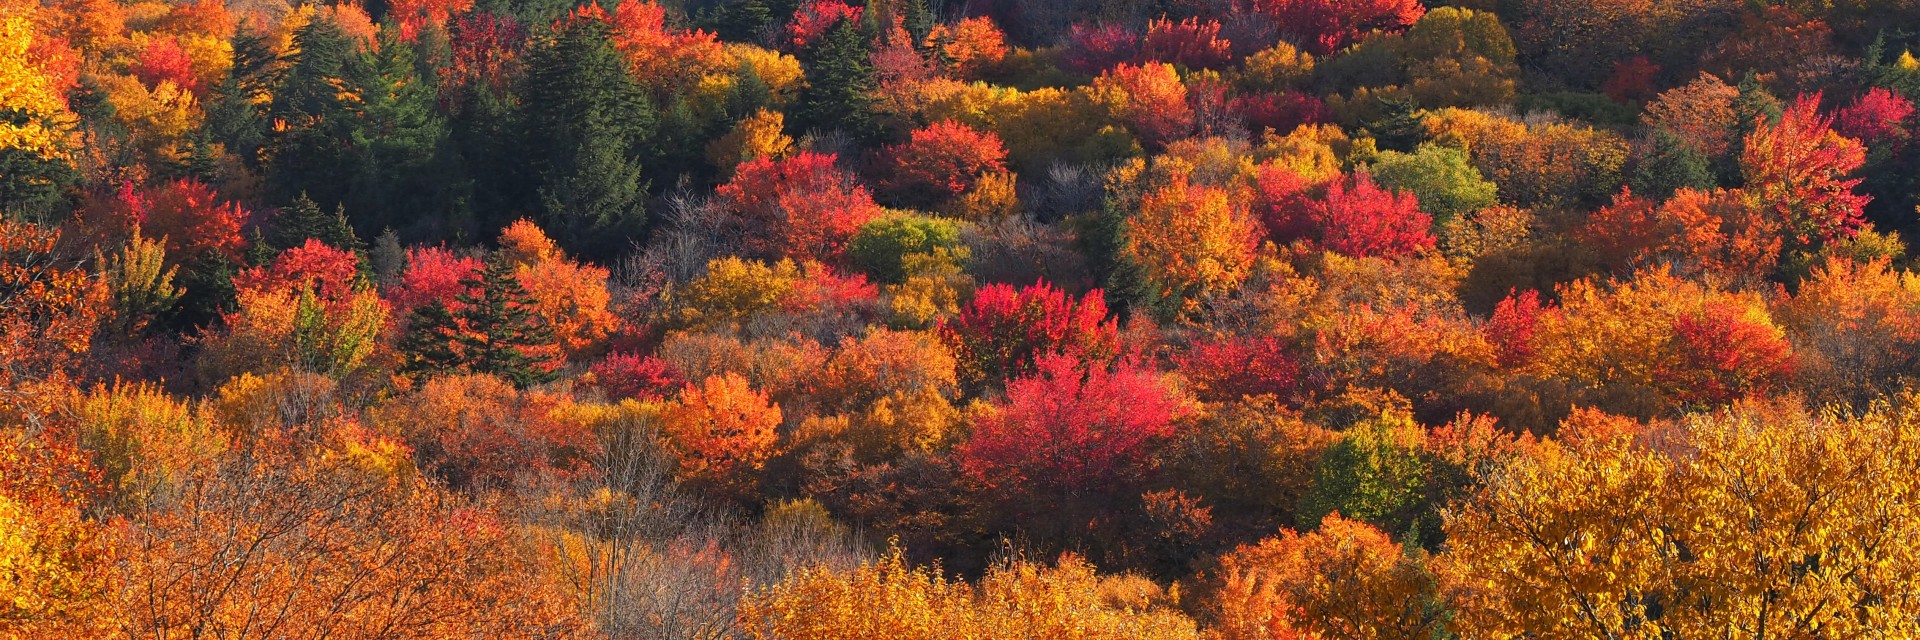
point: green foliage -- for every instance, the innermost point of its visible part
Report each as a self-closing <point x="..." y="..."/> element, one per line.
<point x="1375" y="473"/>
<point x="587" y="127"/>
<point x="840" y="84"/>
<point x="1671" y="165"/>
<point x="496" y="330"/>
<point x="1446" y="183"/>
<point x="885" y="246"/>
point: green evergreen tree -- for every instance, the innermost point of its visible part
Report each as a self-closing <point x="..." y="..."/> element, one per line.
<point x="234" y="115"/>
<point x="398" y="142"/>
<point x="917" y="18"/>
<point x="840" y="85"/>
<point x="310" y="153"/>
<point x="744" y="21"/>
<point x="587" y="126"/>
<point x="1673" y="164"/>
<point x="305" y="220"/>
<point x="496" y="331"/>
<point x="1753" y="105"/>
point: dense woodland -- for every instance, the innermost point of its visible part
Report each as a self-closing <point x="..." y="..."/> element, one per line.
<point x="800" y="319"/>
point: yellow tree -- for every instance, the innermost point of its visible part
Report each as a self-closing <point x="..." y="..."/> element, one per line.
<point x="1192" y="240"/>
<point x="1763" y="521"/>
<point x="34" y="155"/>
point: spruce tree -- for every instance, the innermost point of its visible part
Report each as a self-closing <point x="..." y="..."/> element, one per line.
<point x="1673" y="164"/>
<point x="1754" y="105"/>
<point x="587" y="125"/>
<point x="309" y="153"/>
<point x="840" y="83"/>
<point x="495" y="332"/>
<point x="233" y="117"/>
<point x="396" y="143"/>
<point x="305" y="220"/>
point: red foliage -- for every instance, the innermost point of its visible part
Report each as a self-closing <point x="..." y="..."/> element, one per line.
<point x="184" y="212"/>
<point x="1880" y="117"/>
<point x="1091" y="49"/>
<point x="414" y="15"/>
<point x="1627" y="228"/>
<point x="330" y="272"/>
<point x="1512" y="325"/>
<point x="631" y="375"/>
<point x="801" y="206"/>
<point x="815" y="17"/>
<point x="1281" y="112"/>
<point x="484" y="46"/>
<point x="1281" y="200"/>
<point x="1798" y="168"/>
<point x="433" y="274"/>
<point x="1189" y="43"/>
<point x="939" y="162"/>
<point x="1071" y="428"/>
<point x="1366" y="220"/>
<point x="1326" y="26"/>
<point x="1632" y="80"/>
<point x="1241" y="366"/>
<point x="164" y="61"/>
<point x="1000" y="333"/>
<point x="1729" y="353"/>
<point x="820" y="289"/>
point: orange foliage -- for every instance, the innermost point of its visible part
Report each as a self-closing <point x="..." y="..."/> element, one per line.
<point x="1344" y="580"/>
<point x="723" y="431"/>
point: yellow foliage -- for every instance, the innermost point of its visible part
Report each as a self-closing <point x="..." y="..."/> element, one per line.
<point x="992" y="197"/>
<point x="26" y="87"/>
<point x="1193" y="241"/>
<point x="760" y="135"/>
<point x="1016" y="600"/>
<point x="780" y="71"/>
<point x="142" y="438"/>
<point x="1276" y="68"/>
<point x="734" y="289"/>
<point x="1762" y="520"/>
<point x="1315" y="152"/>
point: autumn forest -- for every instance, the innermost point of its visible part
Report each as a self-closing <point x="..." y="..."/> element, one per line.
<point x="994" y="319"/>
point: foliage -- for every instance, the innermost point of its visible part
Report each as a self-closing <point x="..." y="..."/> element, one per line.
<point x="1005" y="330"/>
<point x="1545" y="546"/>
<point x="723" y="432"/>
<point x="802" y="206"/>
<point x="1070" y="428"/>
<point x="1344" y="579"/>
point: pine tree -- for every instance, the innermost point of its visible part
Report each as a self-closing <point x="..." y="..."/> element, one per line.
<point x="302" y="221"/>
<point x="430" y="344"/>
<point x="587" y="125"/>
<point x="1754" y="105"/>
<point x="234" y="118"/>
<point x="745" y="21"/>
<point x="397" y="143"/>
<point x="496" y="332"/>
<point x="1672" y="165"/>
<point x="310" y="152"/>
<point x="840" y="85"/>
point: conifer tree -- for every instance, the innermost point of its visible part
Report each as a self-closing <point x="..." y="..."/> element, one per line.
<point x="397" y="142"/>
<point x="496" y="331"/>
<point x="1672" y="165"/>
<point x="305" y="220"/>
<point x="587" y="125"/>
<point x="313" y="117"/>
<point x="840" y="85"/>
